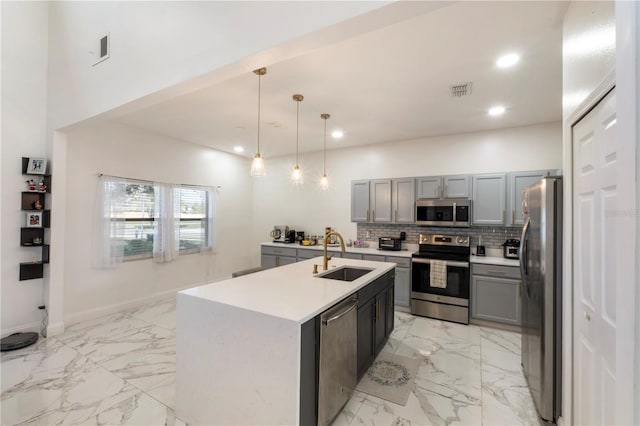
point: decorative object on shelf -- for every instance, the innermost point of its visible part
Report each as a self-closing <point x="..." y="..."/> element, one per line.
<point x="37" y="240"/>
<point x="257" y="167"/>
<point x="31" y="185"/>
<point x="324" y="180"/>
<point x="37" y="205"/>
<point x="37" y="166"/>
<point x="42" y="187"/>
<point x="296" y="175"/>
<point x="34" y="220"/>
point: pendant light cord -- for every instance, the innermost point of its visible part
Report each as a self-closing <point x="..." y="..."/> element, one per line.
<point x="324" y="158"/>
<point x="259" y="80"/>
<point x="297" y="127"/>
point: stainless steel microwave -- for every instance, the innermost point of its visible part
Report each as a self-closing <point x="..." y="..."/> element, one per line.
<point x="453" y="212"/>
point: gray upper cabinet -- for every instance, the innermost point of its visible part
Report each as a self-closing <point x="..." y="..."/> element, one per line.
<point x="360" y="201"/>
<point x="457" y="186"/>
<point x="383" y="200"/>
<point x="428" y="187"/>
<point x="380" y="200"/>
<point x="453" y="186"/>
<point x="489" y="199"/>
<point x="403" y="200"/>
<point x="517" y="183"/>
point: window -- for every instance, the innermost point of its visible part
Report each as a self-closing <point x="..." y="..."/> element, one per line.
<point x="132" y="217"/>
<point x="194" y="223"/>
<point x="141" y="219"/>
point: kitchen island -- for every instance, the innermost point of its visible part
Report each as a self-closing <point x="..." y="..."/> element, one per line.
<point x="247" y="347"/>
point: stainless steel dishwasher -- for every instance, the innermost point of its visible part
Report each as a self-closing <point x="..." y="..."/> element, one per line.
<point x="337" y="376"/>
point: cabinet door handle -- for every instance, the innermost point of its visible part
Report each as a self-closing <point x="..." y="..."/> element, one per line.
<point x="446" y="191"/>
<point x="513" y="217"/>
<point x="503" y="213"/>
<point x="367" y="215"/>
<point x="277" y="260"/>
<point x="495" y="272"/>
<point x="396" y="215"/>
<point x="377" y="310"/>
<point x="373" y="215"/>
<point x="438" y="191"/>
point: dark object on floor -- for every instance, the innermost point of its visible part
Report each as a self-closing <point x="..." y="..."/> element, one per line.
<point x="246" y="272"/>
<point x="18" y="341"/>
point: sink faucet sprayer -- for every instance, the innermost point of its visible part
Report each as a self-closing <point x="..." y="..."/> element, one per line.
<point x="325" y="258"/>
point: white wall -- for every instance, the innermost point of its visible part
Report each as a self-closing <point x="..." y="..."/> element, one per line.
<point x="277" y="202"/>
<point x="156" y="45"/>
<point x="588" y="49"/>
<point x="24" y="123"/>
<point x="588" y="57"/>
<point x="123" y="151"/>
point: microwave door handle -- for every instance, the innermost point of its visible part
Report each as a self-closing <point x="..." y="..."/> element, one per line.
<point x="454" y="210"/>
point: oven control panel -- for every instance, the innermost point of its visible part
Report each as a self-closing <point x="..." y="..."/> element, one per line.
<point x="445" y="240"/>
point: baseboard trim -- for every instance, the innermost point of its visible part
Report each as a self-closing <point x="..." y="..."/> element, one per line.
<point x="91" y="314"/>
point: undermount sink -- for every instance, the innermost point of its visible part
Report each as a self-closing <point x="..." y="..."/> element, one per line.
<point x="346" y="273"/>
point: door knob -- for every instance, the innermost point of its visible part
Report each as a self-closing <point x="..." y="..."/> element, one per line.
<point x="587" y="316"/>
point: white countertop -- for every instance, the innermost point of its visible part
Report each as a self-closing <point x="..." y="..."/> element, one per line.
<point x="290" y="292"/>
<point x="492" y="260"/>
<point x="361" y="250"/>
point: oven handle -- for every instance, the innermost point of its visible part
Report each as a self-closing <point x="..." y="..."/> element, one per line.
<point x="449" y="263"/>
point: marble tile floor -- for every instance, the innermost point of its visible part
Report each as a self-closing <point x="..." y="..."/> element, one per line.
<point x="120" y="369"/>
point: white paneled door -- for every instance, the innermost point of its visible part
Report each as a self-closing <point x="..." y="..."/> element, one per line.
<point x="596" y="172"/>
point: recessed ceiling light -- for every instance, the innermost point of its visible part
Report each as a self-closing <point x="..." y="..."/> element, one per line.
<point x="496" y="110"/>
<point x="337" y="134"/>
<point x="238" y="149"/>
<point x="507" y="61"/>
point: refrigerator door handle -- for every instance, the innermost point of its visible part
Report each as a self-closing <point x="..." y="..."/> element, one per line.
<point x="523" y="254"/>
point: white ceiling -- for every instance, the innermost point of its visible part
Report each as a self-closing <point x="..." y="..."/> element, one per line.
<point x="387" y="85"/>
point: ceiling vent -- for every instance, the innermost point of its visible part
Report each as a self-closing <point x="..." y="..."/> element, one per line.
<point x="461" y="89"/>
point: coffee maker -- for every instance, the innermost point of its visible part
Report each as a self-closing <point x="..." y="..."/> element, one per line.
<point x="279" y="233"/>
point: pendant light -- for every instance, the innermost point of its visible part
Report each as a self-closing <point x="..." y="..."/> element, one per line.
<point x="296" y="175"/>
<point x="257" y="167"/>
<point x="324" y="180"/>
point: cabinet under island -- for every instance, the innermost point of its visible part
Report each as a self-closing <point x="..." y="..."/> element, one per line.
<point x="248" y="348"/>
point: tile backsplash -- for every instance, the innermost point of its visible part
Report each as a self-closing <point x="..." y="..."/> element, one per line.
<point x="492" y="236"/>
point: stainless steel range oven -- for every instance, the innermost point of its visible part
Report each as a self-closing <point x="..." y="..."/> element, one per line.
<point x="440" y="278"/>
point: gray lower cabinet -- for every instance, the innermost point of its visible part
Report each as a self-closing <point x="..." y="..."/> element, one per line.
<point x="375" y="320"/>
<point x="402" y="285"/>
<point x="272" y="257"/>
<point x="374" y="257"/>
<point x="351" y="256"/>
<point x="495" y="294"/>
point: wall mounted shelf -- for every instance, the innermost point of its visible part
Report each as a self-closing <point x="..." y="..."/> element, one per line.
<point x="35" y="236"/>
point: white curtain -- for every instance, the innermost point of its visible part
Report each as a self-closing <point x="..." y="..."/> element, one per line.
<point x="211" y="220"/>
<point x="166" y="239"/>
<point x="107" y="252"/>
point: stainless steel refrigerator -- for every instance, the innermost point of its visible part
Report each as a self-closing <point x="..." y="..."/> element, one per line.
<point x="541" y="268"/>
